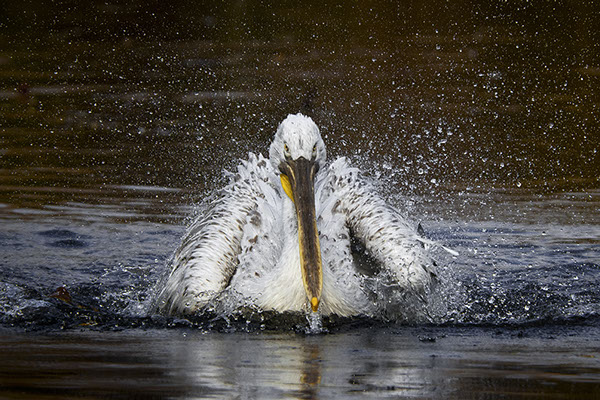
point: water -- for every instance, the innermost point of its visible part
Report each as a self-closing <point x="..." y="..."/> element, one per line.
<point x="364" y="363"/>
<point x="478" y="121"/>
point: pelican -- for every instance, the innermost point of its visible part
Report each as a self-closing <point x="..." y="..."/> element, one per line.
<point x="284" y="233"/>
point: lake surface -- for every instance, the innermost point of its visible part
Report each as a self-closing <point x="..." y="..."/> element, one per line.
<point x="479" y="121"/>
<point x="381" y="362"/>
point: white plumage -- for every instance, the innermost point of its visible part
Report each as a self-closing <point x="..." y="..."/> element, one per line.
<point x="245" y="249"/>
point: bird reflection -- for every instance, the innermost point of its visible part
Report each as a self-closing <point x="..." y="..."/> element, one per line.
<point x="310" y="377"/>
<point x="268" y="366"/>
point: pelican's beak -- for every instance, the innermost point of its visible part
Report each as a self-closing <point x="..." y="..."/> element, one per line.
<point x="297" y="180"/>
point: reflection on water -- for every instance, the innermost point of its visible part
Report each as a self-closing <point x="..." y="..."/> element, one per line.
<point x="412" y="362"/>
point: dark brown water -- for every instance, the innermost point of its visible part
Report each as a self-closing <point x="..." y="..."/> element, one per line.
<point x="478" y="120"/>
<point x="364" y="363"/>
<point x="384" y="363"/>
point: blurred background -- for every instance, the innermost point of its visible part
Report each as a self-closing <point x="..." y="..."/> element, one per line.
<point x="109" y="101"/>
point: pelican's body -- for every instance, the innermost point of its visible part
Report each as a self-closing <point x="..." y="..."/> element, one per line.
<point x="258" y="243"/>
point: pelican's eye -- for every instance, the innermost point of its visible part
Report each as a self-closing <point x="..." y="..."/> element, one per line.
<point x="286" y="150"/>
<point x="315" y="150"/>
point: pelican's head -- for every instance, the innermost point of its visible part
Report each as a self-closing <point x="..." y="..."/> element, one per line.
<point x="298" y="151"/>
<point x="297" y="136"/>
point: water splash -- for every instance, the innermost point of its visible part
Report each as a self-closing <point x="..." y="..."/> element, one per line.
<point x="315" y="323"/>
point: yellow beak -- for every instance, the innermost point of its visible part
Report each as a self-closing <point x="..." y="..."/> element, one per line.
<point x="297" y="181"/>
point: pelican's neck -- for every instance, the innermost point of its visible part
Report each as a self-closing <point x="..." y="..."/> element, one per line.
<point x="291" y="222"/>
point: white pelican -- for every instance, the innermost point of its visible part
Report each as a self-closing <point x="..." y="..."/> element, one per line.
<point x="281" y="236"/>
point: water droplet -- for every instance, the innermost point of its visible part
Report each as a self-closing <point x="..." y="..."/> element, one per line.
<point x="315" y="323"/>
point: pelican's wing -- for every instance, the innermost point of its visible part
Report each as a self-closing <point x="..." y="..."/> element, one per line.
<point x="208" y="255"/>
<point x="385" y="234"/>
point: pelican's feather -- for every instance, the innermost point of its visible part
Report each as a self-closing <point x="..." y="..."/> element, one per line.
<point x="208" y="255"/>
<point x="385" y="233"/>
